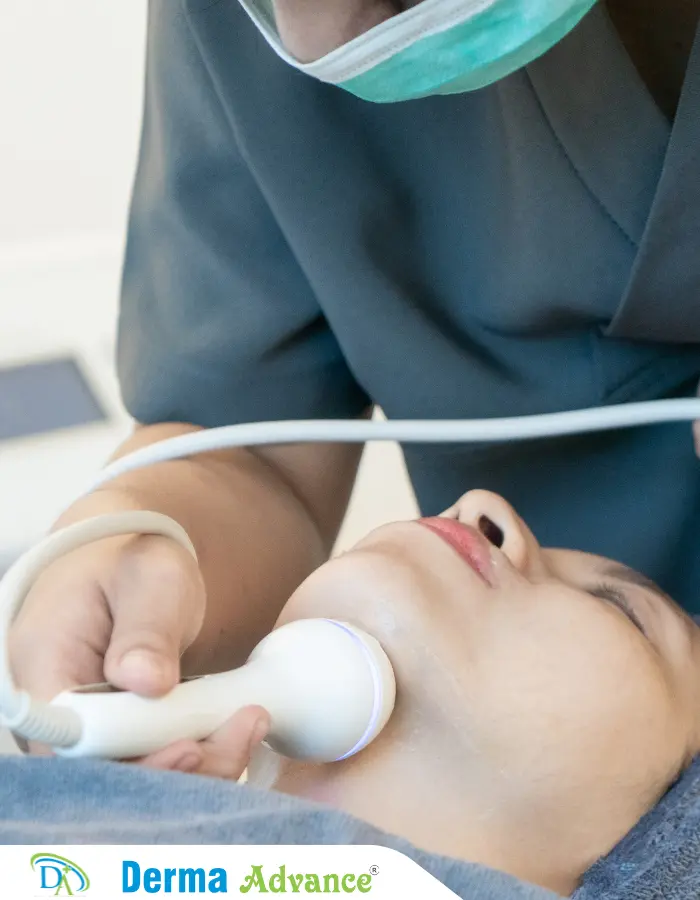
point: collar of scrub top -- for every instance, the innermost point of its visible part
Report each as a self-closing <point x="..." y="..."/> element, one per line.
<point x="645" y="175"/>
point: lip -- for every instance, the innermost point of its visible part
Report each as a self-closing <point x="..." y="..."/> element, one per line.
<point x="469" y="543"/>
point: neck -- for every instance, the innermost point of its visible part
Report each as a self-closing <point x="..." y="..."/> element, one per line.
<point x="431" y="799"/>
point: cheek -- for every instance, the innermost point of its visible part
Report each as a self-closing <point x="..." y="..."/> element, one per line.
<point x="586" y="701"/>
<point x="397" y="593"/>
<point x="414" y="612"/>
<point x="364" y="589"/>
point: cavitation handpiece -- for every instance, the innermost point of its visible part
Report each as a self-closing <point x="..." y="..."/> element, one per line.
<point x="329" y="689"/>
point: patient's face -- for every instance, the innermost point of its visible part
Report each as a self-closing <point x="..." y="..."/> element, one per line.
<point x="558" y="676"/>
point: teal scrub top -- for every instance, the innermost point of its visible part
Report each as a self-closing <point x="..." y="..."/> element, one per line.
<point x="294" y="252"/>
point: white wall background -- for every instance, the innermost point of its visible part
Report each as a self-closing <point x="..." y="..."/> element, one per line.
<point x="70" y="94"/>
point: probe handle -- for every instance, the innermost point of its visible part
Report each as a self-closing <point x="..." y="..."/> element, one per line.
<point x="328" y="687"/>
<point x="123" y="725"/>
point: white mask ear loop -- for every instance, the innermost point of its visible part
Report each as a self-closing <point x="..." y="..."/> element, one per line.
<point x="31" y="719"/>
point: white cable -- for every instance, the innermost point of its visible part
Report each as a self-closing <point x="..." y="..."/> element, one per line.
<point x="58" y="727"/>
<point x="439" y="431"/>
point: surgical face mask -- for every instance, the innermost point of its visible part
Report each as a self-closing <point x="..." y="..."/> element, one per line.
<point x="437" y="46"/>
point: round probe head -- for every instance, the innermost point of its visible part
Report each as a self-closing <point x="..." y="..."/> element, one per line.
<point x="339" y="685"/>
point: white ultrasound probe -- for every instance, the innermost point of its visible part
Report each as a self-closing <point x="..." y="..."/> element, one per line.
<point x="329" y="687"/>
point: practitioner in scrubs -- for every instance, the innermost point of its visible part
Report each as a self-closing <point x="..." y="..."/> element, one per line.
<point x="448" y="209"/>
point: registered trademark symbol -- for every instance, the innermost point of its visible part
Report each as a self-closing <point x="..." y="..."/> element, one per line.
<point x="374" y="870"/>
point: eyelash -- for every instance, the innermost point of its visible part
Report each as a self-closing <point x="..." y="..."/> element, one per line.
<point x="612" y="595"/>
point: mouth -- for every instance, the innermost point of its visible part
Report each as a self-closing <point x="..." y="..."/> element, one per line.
<point x="469" y="543"/>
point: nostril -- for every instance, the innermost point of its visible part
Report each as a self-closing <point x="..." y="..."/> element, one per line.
<point x="491" y="531"/>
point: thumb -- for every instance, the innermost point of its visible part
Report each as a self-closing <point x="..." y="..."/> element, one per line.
<point x="157" y="604"/>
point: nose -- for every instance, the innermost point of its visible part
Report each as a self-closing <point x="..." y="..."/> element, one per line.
<point x="496" y="519"/>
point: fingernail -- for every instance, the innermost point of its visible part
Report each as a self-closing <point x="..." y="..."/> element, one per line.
<point x="260" y="730"/>
<point x="143" y="666"/>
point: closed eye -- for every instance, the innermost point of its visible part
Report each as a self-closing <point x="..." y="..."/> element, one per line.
<point x="615" y="596"/>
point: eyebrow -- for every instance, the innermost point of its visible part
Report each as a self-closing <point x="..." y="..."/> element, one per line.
<point x="632" y="576"/>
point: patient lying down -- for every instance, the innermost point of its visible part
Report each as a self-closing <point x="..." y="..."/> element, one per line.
<point x="547" y="699"/>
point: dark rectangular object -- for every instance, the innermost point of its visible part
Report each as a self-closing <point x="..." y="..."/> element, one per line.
<point x="45" y="396"/>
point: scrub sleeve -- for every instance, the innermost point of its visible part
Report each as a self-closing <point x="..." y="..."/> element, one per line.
<point x="218" y="322"/>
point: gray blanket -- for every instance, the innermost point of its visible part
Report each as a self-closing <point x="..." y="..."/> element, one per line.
<point x="45" y="801"/>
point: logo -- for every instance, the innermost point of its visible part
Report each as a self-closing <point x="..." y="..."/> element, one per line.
<point x="259" y="880"/>
<point x="307" y="882"/>
<point x="59" y="876"/>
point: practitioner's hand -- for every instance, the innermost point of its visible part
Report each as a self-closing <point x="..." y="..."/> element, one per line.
<point x="121" y="610"/>
<point x="225" y="754"/>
